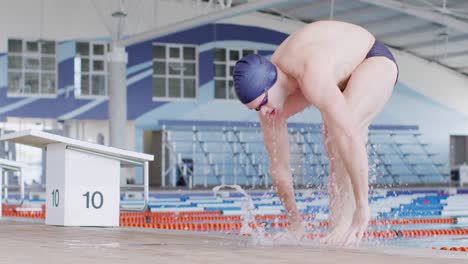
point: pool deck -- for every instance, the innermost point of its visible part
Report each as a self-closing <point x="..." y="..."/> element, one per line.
<point x="26" y="241"/>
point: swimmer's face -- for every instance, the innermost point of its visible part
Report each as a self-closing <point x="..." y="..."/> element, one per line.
<point x="268" y="103"/>
<point x="263" y="102"/>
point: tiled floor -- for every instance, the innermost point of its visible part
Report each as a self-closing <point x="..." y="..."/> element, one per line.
<point x="33" y="242"/>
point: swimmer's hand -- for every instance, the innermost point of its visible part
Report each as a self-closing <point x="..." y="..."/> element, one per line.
<point x="352" y="235"/>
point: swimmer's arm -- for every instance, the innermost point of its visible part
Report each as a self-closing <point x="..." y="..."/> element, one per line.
<point x="347" y="135"/>
<point x="275" y="137"/>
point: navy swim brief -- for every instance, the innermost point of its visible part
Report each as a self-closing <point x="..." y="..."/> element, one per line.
<point x="379" y="49"/>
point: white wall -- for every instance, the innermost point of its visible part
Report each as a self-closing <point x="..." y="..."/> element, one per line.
<point x="31" y="156"/>
<point x="433" y="80"/>
<point x="88" y="130"/>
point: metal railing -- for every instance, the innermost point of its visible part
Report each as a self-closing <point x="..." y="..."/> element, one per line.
<point x="6" y="165"/>
<point x="396" y="156"/>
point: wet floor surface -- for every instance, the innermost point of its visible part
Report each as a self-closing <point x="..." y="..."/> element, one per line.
<point x="34" y="242"/>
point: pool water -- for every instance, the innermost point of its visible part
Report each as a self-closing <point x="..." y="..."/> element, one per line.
<point x="404" y="218"/>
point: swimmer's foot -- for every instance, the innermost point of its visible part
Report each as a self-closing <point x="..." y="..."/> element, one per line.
<point x="359" y="225"/>
<point x="347" y="235"/>
<point x="296" y="231"/>
<point x="336" y="235"/>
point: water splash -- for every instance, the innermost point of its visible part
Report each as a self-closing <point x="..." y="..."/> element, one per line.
<point x="249" y="226"/>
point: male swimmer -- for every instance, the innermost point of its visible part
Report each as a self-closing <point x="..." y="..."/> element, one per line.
<point x="348" y="75"/>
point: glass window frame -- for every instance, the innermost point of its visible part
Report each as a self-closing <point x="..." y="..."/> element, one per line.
<point x="181" y="76"/>
<point x="78" y="73"/>
<point x="23" y="71"/>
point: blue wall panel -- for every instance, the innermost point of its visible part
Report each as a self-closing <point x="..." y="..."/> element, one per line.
<point x="205" y="67"/>
<point x="147" y="113"/>
<point x="139" y="79"/>
<point x="66" y="76"/>
<point x="139" y="53"/>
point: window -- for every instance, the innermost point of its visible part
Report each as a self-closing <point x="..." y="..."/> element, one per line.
<point x="224" y="61"/>
<point x="32" y="67"/>
<point x="175" y="71"/>
<point x="90" y="69"/>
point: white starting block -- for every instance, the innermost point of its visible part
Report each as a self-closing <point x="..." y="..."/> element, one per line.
<point x="10" y="165"/>
<point x="82" y="178"/>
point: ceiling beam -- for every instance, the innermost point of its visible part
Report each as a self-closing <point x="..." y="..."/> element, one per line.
<point x="288" y="11"/>
<point x="202" y="20"/>
<point x="407" y="32"/>
<point x="382" y="20"/>
<point x="455" y="69"/>
<point x="449" y="55"/>
<point x="439" y="41"/>
<point x="429" y="15"/>
<point x="462" y="68"/>
<point x="355" y="11"/>
<point x="317" y="4"/>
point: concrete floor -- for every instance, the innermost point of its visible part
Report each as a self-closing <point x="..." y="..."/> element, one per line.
<point x="33" y="242"/>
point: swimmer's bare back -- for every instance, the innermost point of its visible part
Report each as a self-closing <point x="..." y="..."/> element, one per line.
<point x="334" y="47"/>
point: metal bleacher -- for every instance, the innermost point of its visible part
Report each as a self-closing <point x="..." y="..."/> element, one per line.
<point x="206" y="153"/>
<point x="11" y="177"/>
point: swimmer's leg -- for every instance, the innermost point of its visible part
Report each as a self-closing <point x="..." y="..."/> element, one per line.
<point x="342" y="202"/>
<point x="366" y="93"/>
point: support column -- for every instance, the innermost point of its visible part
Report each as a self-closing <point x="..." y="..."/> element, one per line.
<point x="117" y="69"/>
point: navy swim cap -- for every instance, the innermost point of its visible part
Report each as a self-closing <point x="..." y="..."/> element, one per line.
<point x="253" y="75"/>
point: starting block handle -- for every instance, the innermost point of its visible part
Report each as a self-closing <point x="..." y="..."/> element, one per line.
<point x="145" y="191"/>
<point x="5" y="186"/>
